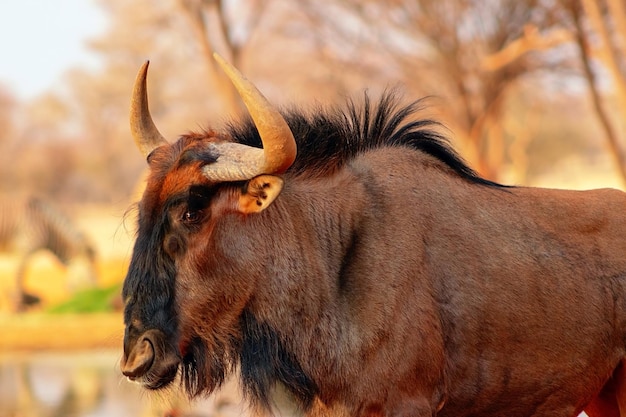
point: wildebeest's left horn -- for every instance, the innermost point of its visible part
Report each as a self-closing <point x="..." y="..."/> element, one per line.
<point x="145" y="133"/>
<point x="239" y="162"/>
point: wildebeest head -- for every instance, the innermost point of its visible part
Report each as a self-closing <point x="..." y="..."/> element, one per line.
<point x="182" y="242"/>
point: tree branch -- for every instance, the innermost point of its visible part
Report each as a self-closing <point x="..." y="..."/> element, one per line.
<point x="531" y="40"/>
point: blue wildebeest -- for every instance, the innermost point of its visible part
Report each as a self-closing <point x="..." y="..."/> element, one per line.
<point x="32" y="224"/>
<point x="351" y="259"/>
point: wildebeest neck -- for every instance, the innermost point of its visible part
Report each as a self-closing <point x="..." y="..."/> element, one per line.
<point x="296" y="314"/>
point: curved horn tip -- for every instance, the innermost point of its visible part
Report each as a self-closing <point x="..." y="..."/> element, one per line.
<point x="142" y="127"/>
<point x="217" y="57"/>
<point x="144" y="68"/>
<point x="142" y="75"/>
<point x="231" y="71"/>
<point x="220" y="60"/>
<point x="278" y="142"/>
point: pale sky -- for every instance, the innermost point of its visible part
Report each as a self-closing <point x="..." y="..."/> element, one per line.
<point x="41" y="39"/>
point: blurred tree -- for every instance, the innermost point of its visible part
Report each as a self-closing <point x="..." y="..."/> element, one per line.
<point x="8" y="106"/>
<point x="138" y="30"/>
<point x="23" y="146"/>
<point x="225" y="27"/>
<point x="8" y="142"/>
<point x="45" y="161"/>
<point x="478" y="56"/>
<point x="600" y="35"/>
<point x="471" y="52"/>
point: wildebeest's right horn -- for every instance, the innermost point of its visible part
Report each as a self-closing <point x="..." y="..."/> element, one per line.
<point x="239" y="162"/>
<point x="145" y="133"/>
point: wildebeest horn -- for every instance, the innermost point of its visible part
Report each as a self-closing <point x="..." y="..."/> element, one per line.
<point x="239" y="162"/>
<point x="145" y="133"/>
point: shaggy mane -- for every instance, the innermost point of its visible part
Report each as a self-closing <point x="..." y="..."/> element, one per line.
<point x="328" y="138"/>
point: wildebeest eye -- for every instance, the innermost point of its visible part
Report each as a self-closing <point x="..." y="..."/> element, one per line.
<point x="196" y="207"/>
<point x="192" y="216"/>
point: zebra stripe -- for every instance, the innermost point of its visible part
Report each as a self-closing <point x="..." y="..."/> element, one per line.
<point x="32" y="224"/>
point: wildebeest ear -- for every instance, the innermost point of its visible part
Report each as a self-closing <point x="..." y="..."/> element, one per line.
<point x="259" y="193"/>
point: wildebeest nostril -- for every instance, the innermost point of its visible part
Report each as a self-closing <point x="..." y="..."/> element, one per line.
<point x="139" y="360"/>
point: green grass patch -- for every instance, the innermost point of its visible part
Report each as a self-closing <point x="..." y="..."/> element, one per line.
<point x="92" y="300"/>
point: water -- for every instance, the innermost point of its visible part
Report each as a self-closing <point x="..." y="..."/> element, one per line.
<point x="89" y="384"/>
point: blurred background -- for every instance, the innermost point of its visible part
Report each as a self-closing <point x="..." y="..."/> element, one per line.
<point x="532" y="92"/>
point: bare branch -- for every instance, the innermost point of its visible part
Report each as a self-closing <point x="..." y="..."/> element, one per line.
<point x="195" y="14"/>
<point x="617" y="149"/>
<point x="531" y="40"/>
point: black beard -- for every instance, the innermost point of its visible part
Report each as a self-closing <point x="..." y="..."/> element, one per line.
<point x="265" y="362"/>
<point x="204" y="368"/>
<point x="262" y="357"/>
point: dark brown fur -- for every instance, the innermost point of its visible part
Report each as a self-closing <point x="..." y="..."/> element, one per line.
<point x="387" y="279"/>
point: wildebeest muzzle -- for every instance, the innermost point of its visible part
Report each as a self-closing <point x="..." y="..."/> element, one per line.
<point x="149" y="359"/>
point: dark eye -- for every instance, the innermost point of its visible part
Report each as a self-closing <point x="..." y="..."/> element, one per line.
<point x="197" y="205"/>
<point x="192" y="216"/>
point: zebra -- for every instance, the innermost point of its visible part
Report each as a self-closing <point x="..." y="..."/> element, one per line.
<point x="32" y="224"/>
